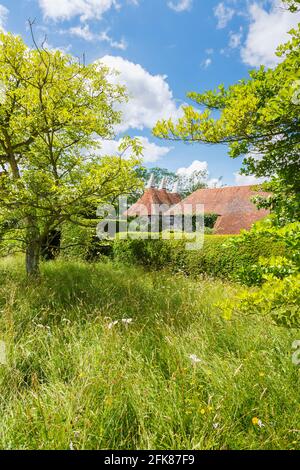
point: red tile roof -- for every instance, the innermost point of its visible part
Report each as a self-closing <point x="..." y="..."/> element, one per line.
<point x="153" y="196"/>
<point x="232" y="204"/>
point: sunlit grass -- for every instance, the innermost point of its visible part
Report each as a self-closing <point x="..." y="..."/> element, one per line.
<point x="75" y="380"/>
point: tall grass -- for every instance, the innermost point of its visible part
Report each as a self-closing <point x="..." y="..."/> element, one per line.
<point x="72" y="380"/>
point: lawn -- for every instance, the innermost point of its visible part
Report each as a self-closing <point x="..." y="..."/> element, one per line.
<point x="178" y="376"/>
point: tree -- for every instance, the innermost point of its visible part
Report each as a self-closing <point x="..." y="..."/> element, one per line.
<point x="52" y="108"/>
<point x="188" y="184"/>
<point x="293" y="5"/>
<point x="160" y="173"/>
<point x="258" y="119"/>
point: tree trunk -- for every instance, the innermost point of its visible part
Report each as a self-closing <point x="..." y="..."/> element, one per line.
<point x="33" y="247"/>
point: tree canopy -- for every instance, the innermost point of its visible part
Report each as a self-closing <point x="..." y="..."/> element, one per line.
<point x="258" y="118"/>
<point x="293" y="5"/>
<point x="53" y="108"/>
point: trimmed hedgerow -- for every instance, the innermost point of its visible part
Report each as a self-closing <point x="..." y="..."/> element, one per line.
<point x="217" y="257"/>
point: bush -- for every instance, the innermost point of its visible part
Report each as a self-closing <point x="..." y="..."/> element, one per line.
<point x="82" y="243"/>
<point x="277" y="298"/>
<point x="279" y="277"/>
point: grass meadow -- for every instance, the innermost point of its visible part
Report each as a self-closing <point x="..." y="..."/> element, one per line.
<point x="172" y="375"/>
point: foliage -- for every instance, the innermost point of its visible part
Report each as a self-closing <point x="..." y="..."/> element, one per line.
<point x="160" y="173"/>
<point x="186" y="184"/>
<point x="274" y="264"/>
<point x="293" y="5"/>
<point x="210" y="220"/>
<point x="52" y="109"/>
<point x="72" y="382"/>
<point x="258" y="118"/>
<point x="283" y="201"/>
<point x="277" y="298"/>
<point x="279" y="295"/>
<point x="219" y="257"/>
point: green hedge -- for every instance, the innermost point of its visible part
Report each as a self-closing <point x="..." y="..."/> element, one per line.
<point x="217" y="257"/>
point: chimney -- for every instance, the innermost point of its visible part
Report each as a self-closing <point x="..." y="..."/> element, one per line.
<point x="163" y="184"/>
<point x="151" y="182"/>
<point x="175" y="188"/>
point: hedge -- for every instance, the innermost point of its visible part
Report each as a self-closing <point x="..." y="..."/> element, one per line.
<point x="218" y="257"/>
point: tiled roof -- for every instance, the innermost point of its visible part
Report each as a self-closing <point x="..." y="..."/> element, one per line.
<point x="232" y="204"/>
<point x="144" y="206"/>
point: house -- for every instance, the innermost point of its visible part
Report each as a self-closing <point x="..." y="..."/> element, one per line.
<point x="155" y="201"/>
<point x="233" y="206"/>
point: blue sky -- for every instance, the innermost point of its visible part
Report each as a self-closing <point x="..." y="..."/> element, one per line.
<point x="163" y="49"/>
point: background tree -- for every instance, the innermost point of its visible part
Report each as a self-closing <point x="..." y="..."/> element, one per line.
<point x="259" y="119"/>
<point x="293" y="5"/>
<point x="186" y="184"/>
<point x="52" y="108"/>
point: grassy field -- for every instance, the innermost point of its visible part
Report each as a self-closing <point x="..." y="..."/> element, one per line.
<point x="75" y="380"/>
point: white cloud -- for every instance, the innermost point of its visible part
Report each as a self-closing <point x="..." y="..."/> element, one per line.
<point x="206" y="63"/>
<point x="199" y="168"/>
<point x="86" y="9"/>
<point x="85" y="33"/>
<point x="244" y="180"/>
<point x="3" y="16"/>
<point x="82" y="32"/>
<point x="267" y="30"/>
<point x="150" y="97"/>
<point x="223" y="14"/>
<point x="235" y="39"/>
<point x="196" y="166"/>
<point x="151" y="152"/>
<point x="180" y="5"/>
<point x="122" y="45"/>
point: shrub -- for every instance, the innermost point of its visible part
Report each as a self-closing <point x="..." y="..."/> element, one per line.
<point x="82" y="243"/>
<point x="277" y="298"/>
<point x="216" y="258"/>
<point x="279" y="295"/>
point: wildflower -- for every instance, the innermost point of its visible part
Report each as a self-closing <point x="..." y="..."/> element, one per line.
<point x="76" y="434"/>
<point x="216" y="425"/>
<point x="257" y="422"/>
<point x="195" y="359"/>
<point x="202" y="411"/>
<point x="127" y="321"/>
<point x="261" y="374"/>
<point x="112" y="324"/>
<point x="71" y="445"/>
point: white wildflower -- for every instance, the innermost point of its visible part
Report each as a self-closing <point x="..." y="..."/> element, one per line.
<point x="195" y="359"/>
<point x="71" y="445"/>
<point x="127" y="321"/>
<point x="112" y="324"/>
<point x="216" y="425"/>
